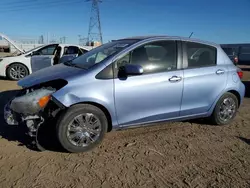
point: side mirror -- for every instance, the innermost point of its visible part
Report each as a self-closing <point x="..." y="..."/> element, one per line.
<point x="34" y="53"/>
<point x="130" y="69"/>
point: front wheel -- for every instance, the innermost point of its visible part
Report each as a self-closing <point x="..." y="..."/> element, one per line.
<point x="225" y="109"/>
<point x="17" y="71"/>
<point x="81" y="128"/>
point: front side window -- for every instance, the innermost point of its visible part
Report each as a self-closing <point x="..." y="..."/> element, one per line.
<point x="101" y="53"/>
<point x="154" y="57"/>
<point x="200" y="55"/>
<point x="48" y="50"/>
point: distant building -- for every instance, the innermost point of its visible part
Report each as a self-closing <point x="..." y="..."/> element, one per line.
<point x="94" y="43"/>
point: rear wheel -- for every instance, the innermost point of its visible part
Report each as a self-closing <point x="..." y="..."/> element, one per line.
<point x="17" y="71"/>
<point x="81" y="128"/>
<point x="225" y="109"/>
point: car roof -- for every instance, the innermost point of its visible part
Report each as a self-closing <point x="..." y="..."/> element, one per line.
<point x="68" y="44"/>
<point x="171" y="37"/>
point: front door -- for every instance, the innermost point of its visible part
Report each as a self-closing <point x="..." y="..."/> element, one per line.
<point x="156" y="94"/>
<point x="204" y="78"/>
<point x="43" y="57"/>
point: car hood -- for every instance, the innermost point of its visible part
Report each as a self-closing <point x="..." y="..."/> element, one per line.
<point x="59" y="71"/>
<point x="13" y="57"/>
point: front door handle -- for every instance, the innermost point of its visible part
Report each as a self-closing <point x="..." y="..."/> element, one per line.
<point x="174" y="79"/>
<point x="220" y="71"/>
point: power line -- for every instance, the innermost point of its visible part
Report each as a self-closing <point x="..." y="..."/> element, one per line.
<point x="17" y="2"/>
<point x="38" y="5"/>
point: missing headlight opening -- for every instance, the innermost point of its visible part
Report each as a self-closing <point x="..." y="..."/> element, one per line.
<point x="31" y="106"/>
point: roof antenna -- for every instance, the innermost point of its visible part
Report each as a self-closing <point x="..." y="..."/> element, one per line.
<point x="190" y="35"/>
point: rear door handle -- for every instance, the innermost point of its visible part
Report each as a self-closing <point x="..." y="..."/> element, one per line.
<point x="220" y="71"/>
<point x="174" y="79"/>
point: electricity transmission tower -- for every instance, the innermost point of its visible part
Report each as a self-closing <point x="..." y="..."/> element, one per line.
<point x="95" y="32"/>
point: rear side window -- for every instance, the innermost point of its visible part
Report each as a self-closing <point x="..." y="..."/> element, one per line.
<point x="70" y="50"/>
<point x="200" y="55"/>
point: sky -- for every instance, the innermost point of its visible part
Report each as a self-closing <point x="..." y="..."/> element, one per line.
<point x="220" y="21"/>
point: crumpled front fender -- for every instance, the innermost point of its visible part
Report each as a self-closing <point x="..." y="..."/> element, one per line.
<point x="68" y="97"/>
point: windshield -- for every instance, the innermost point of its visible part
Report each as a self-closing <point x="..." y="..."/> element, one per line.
<point x="100" y="53"/>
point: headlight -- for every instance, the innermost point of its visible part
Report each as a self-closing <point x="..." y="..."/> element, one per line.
<point x="33" y="102"/>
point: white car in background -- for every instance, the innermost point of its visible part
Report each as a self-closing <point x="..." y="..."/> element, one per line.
<point x="25" y="63"/>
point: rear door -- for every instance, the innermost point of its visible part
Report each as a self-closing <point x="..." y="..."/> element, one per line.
<point x="43" y="57"/>
<point x="204" y="78"/>
<point x="70" y="52"/>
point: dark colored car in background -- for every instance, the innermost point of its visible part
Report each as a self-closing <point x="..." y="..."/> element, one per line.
<point x="238" y="53"/>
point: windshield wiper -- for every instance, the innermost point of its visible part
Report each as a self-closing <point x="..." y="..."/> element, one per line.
<point x="70" y="63"/>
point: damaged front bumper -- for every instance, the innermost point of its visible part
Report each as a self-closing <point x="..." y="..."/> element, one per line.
<point x="26" y="108"/>
<point x="25" y="104"/>
<point x="9" y="115"/>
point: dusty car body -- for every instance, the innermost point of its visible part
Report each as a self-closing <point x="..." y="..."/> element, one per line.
<point x="128" y="83"/>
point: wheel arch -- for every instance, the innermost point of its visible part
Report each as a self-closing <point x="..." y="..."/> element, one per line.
<point x="233" y="91"/>
<point x="101" y="107"/>
<point x="237" y="94"/>
<point x="16" y="63"/>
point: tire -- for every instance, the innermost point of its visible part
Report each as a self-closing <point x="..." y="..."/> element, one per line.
<point x="20" y="69"/>
<point x="216" y="117"/>
<point x="68" y="117"/>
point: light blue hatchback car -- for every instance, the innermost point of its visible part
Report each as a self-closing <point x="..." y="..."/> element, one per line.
<point x="126" y="83"/>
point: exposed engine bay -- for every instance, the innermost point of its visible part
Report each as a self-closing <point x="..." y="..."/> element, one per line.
<point x="32" y="107"/>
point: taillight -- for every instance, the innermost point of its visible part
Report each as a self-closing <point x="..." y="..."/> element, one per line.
<point x="240" y="73"/>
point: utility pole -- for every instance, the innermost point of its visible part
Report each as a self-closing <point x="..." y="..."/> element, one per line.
<point x="48" y="38"/>
<point x="63" y="39"/>
<point x="95" y="32"/>
<point x="79" y="39"/>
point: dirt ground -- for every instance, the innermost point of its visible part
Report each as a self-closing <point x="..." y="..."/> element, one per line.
<point x="183" y="154"/>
